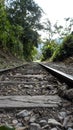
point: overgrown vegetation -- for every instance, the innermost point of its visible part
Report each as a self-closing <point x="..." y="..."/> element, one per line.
<point x="19" y="22"/>
<point x="64" y="48"/>
<point x="48" y="49"/>
<point x="9" y="34"/>
<point x="19" y="25"/>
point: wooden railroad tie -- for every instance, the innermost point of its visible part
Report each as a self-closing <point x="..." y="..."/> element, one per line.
<point x="29" y="101"/>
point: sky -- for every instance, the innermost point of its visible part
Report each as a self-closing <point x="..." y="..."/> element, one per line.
<point x="56" y="10"/>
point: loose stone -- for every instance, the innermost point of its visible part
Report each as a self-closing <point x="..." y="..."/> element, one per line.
<point x="45" y="127"/>
<point x="66" y="120"/>
<point x="22" y="128"/>
<point x="53" y="122"/>
<point x="32" y="119"/>
<point x="35" y="126"/>
<point x="62" y="115"/>
<point x="54" y="129"/>
<point x="24" y="113"/>
<point x="70" y="128"/>
<point x="27" y="118"/>
<point x="43" y="122"/>
<point x="15" y="122"/>
<point x="19" y="125"/>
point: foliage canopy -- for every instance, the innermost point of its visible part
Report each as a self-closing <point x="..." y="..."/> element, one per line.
<point x="19" y="22"/>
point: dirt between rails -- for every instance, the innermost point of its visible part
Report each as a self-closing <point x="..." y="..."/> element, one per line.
<point x="52" y="118"/>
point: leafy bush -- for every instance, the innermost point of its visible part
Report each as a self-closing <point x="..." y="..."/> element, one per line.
<point x="64" y="50"/>
<point x="68" y="45"/>
<point x="48" y="49"/>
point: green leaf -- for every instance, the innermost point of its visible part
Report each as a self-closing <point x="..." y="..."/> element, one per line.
<point x="4" y="127"/>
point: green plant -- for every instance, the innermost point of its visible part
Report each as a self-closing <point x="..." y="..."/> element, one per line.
<point x="48" y="49"/>
<point x="5" y="127"/>
<point x="64" y="50"/>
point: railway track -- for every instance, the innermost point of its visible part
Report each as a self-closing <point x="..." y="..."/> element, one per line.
<point x="68" y="79"/>
<point x="30" y="99"/>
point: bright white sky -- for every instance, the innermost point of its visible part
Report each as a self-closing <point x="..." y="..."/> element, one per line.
<point x="56" y="9"/>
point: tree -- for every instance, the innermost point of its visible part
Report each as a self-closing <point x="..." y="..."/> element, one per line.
<point x="49" y="30"/>
<point x="62" y="31"/>
<point x="9" y="34"/>
<point x="4" y="26"/>
<point x="58" y="29"/>
<point x="68" y="26"/>
<point x="48" y="49"/>
<point x="27" y="14"/>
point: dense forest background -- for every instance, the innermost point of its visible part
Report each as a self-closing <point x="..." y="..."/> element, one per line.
<point x="19" y="22"/>
<point x="19" y="27"/>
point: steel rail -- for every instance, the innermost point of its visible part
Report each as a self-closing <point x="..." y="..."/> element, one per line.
<point x="63" y="77"/>
<point x="12" y="68"/>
